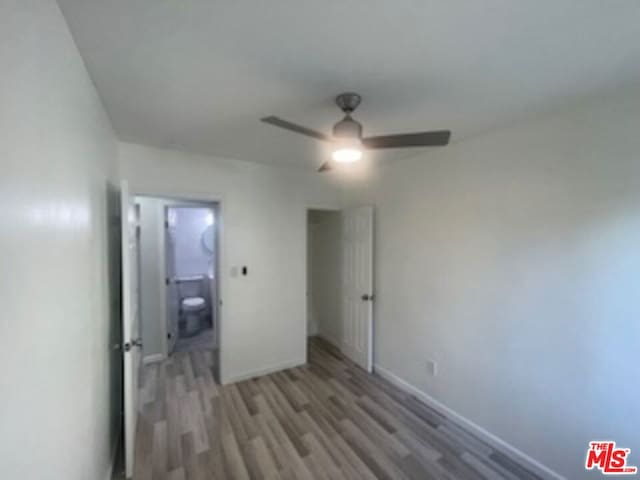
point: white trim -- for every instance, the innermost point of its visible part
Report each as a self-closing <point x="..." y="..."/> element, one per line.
<point x="162" y="262"/>
<point x="307" y="286"/>
<point x="110" y="469"/>
<point x="114" y="456"/>
<point x="170" y="194"/>
<point x="153" y="358"/>
<point x="262" y="371"/>
<point x="487" y="436"/>
<point x="327" y="207"/>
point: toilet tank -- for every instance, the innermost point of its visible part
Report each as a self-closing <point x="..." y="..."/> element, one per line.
<point x="192" y="286"/>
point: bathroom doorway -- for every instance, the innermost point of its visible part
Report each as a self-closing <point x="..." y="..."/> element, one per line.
<point x="179" y="278"/>
<point x="191" y="276"/>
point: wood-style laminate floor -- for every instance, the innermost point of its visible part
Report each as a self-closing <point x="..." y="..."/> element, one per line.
<point x="201" y="341"/>
<point x="325" y="420"/>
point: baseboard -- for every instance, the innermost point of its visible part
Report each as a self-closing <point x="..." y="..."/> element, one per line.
<point x="262" y="371"/>
<point x="114" y="456"/>
<point x="487" y="436"/>
<point x="153" y="358"/>
<point x="109" y="475"/>
<point x="330" y="339"/>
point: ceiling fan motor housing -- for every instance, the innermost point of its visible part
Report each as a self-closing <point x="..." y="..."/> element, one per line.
<point x="347" y="128"/>
<point x="348" y="102"/>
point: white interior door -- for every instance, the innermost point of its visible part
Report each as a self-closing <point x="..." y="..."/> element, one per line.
<point x="357" y="285"/>
<point x="172" y="294"/>
<point x="130" y="322"/>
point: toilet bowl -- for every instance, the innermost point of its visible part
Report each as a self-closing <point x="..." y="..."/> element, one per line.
<point x="192" y="310"/>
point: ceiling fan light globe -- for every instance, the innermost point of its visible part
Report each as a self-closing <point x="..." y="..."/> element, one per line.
<point x="347" y="155"/>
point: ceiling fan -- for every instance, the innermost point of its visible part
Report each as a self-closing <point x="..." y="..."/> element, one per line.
<point x="348" y="139"/>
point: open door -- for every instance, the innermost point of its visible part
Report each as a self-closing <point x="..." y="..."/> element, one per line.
<point x="131" y="341"/>
<point x="357" y="285"/>
<point x="172" y="295"/>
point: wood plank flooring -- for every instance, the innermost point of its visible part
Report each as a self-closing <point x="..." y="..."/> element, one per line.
<point x="325" y="420"/>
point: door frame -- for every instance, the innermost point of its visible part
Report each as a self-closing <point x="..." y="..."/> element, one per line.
<point x="130" y="344"/>
<point x="207" y="199"/>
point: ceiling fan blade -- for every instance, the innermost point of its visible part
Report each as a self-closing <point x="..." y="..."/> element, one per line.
<point x="325" y="167"/>
<point x="278" y="122"/>
<point x="436" y="138"/>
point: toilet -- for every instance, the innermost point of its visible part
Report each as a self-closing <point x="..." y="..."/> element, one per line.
<point x="192" y="310"/>
<point x="192" y="304"/>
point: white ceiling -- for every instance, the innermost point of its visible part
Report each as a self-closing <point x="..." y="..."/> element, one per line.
<point x="199" y="74"/>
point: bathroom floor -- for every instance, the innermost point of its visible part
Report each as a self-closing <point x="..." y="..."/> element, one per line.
<point x="202" y="341"/>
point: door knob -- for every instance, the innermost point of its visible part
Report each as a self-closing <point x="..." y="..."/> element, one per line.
<point x="367" y="298"/>
<point x="134" y="343"/>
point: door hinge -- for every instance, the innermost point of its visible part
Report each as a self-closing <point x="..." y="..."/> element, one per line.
<point x="167" y="281"/>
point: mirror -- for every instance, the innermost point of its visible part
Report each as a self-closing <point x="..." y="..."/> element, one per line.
<point x="207" y="239"/>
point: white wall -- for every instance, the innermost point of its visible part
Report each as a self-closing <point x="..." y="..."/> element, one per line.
<point x="263" y="226"/>
<point x="514" y="261"/>
<point x="59" y="406"/>
<point x="325" y="280"/>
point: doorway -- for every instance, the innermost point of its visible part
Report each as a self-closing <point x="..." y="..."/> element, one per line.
<point x="163" y="240"/>
<point x="191" y="276"/>
<point x="324" y="275"/>
<point x="340" y="280"/>
<point x="179" y="277"/>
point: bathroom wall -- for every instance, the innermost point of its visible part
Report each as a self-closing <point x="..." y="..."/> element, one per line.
<point x="263" y="226"/>
<point x="59" y="243"/>
<point x="191" y="258"/>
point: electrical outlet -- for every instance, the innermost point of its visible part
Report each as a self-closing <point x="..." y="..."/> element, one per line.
<point x="432" y="367"/>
